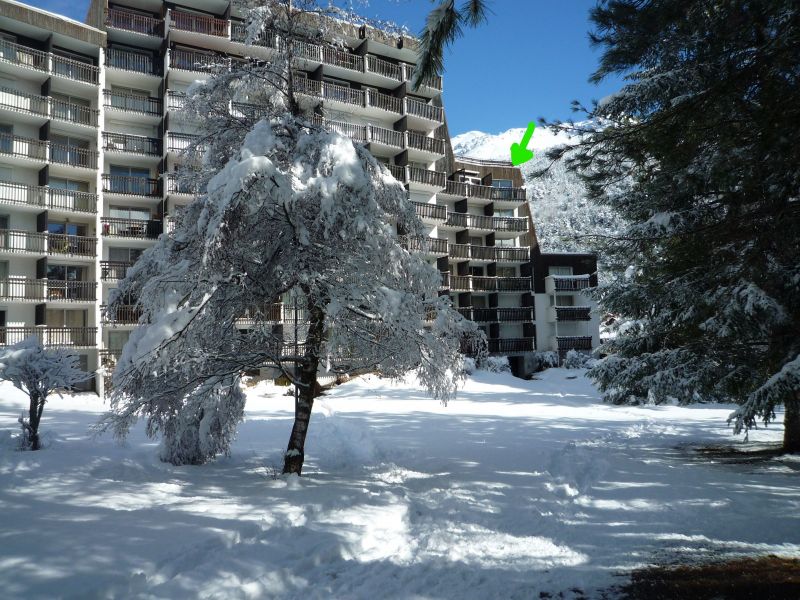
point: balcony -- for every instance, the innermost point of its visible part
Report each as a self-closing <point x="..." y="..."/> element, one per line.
<point x="408" y="72"/>
<point x="177" y="186"/>
<point x="131" y="144"/>
<point x="141" y="105"/>
<point x="24" y="148"/>
<point x="135" y="62"/>
<point x="267" y="39"/>
<point x="342" y="59"/>
<point x="510" y="224"/>
<point x="425" y="144"/>
<point x="574" y="342"/>
<point x="424" y="111"/>
<point x="112" y="270"/>
<point x="384" y="102"/>
<point x="384" y="137"/>
<point x="468" y="221"/>
<point x="71" y="291"/>
<point x="342" y="94"/>
<point x="425" y="245"/>
<point x="81" y="337"/>
<point x="131" y="228"/>
<point x="357" y="133"/>
<point x="272" y="313"/>
<point x="135" y="23"/>
<point x="47" y="107"/>
<point x="486" y="192"/>
<point x="511" y="345"/>
<point x="126" y="314"/>
<point x="432" y="212"/>
<point x="179" y="142"/>
<point x="131" y="186"/>
<point x="29" y="242"/>
<point x="566" y="283"/>
<point x="201" y="24"/>
<point x="48" y="63"/>
<point x="397" y="172"/>
<point x="475" y="253"/>
<point x="507" y="254"/>
<point x="73" y="156"/>
<point x="23" y="289"/>
<point x="468" y="283"/>
<point x="571" y="313"/>
<point x="429" y="179"/>
<point x="383" y="68"/>
<point x="20" y="194"/>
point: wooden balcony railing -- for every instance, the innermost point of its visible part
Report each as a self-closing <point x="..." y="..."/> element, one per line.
<point x="426" y="245"/>
<point x="84" y="337"/>
<point x="435" y="179"/>
<point x="573" y="313"/>
<point x="513" y="224"/>
<point x="131" y="144"/>
<point x="511" y="345"/>
<point x="565" y="283"/>
<point x="430" y="211"/>
<point x="489" y="192"/>
<point x="71" y="291"/>
<point x="424" y="143"/>
<point x="113" y="270"/>
<point x="525" y="313"/>
<point x="506" y="254"/>
<point x="198" y="23"/>
<point x="490" y="284"/>
<point x="47" y="197"/>
<point x="469" y="221"/>
<point x="131" y="61"/>
<point x="126" y="314"/>
<point x="423" y="110"/>
<point x="384" y="68"/>
<point x="574" y="342"/>
<point x="131" y="228"/>
<point x="133" y="103"/>
<point x="130" y="21"/>
<point x="456" y="188"/>
<point x="131" y="186"/>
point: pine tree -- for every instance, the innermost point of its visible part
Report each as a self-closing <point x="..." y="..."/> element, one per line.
<point x="704" y="138"/>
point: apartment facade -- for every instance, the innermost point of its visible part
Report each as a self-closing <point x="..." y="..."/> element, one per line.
<point x="91" y="135"/>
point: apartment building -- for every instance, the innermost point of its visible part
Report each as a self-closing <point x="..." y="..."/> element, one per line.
<point x="91" y="135"/>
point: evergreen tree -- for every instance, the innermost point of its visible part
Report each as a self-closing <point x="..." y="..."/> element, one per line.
<point x="705" y="138"/>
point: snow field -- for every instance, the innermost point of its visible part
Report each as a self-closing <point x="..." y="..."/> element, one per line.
<point x="513" y="489"/>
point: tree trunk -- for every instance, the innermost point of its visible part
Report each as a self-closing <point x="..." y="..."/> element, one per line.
<point x="307" y="390"/>
<point x="791" y="424"/>
<point x="34" y="417"/>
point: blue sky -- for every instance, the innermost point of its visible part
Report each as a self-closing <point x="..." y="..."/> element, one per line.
<point x="530" y="61"/>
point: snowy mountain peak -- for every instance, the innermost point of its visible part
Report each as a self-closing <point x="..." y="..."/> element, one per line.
<point x="478" y="144"/>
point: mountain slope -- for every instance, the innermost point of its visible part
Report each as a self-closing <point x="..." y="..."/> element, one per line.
<point x="562" y="214"/>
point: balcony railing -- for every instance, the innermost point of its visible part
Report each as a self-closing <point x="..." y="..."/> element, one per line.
<point x="178" y="142"/>
<point x="340" y="58"/>
<point x="430" y="211"/>
<point x="469" y="221"/>
<point x="506" y="254"/>
<point x="131" y="144"/>
<point x="490" y="284"/>
<point x="464" y="190"/>
<point x="510" y="345"/>
<point x="21" y="147"/>
<point x="566" y="283"/>
<point x="198" y="23"/>
<point x="424" y="143"/>
<point x="48" y="107"/>
<point x="427" y="245"/>
<point x="573" y="313"/>
<point x="131" y="61"/>
<point x="113" y="270"/>
<point x="423" y="110"/>
<point x="23" y="288"/>
<point x="512" y="224"/>
<point x="387" y="137"/>
<point x="74" y="156"/>
<point x="71" y="291"/>
<point x="383" y="68"/>
<point x="408" y="72"/>
<point x="126" y="314"/>
<point x="50" y="336"/>
<point x="129" y="21"/>
<point x="133" y="103"/>
<point x="131" y="186"/>
<point x="267" y="39"/>
<point x="176" y="100"/>
<point x="435" y="179"/>
<point x="48" y="62"/>
<point x="579" y="342"/>
<point x="131" y="228"/>
<point x="72" y="245"/>
<point x="384" y="102"/>
<point x="357" y="133"/>
<point x="46" y="197"/>
<point x="343" y="94"/>
<point x="445" y="280"/>
<point x="397" y="172"/>
<point x="176" y="186"/>
<point x="18" y="241"/>
<point x="506" y="315"/>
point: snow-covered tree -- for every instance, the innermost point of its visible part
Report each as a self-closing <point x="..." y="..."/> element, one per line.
<point x="38" y="371"/>
<point x="292" y="218"/>
<point x="704" y="140"/>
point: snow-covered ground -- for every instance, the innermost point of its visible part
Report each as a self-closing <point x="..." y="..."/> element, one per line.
<point x="514" y="489"/>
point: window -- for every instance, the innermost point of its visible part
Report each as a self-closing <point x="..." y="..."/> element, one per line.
<point x="479" y="302"/>
<point x="66" y="273"/>
<point x="129" y="180"/>
<point x="129" y="212"/>
<point x="126" y="255"/>
<point x="6" y="173"/>
<point x="562" y="271"/>
<point x="66" y="318"/>
<point x="476" y="271"/>
<point x="71" y="108"/>
<point x="502" y="183"/>
<point x="6" y="139"/>
<point x="505" y="243"/>
<point x="565" y="301"/>
<point x="130" y="99"/>
<point x="62" y="228"/>
<point x="69" y="198"/>
<point x="117" y="340"/>
<point x="506" y="272"/>
<point x="476" y="241"/>
<point x="504" y="213"/>
<point x="70" y="150"/>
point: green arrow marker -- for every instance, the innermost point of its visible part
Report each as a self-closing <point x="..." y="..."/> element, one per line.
<point x="519" y="152"/>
